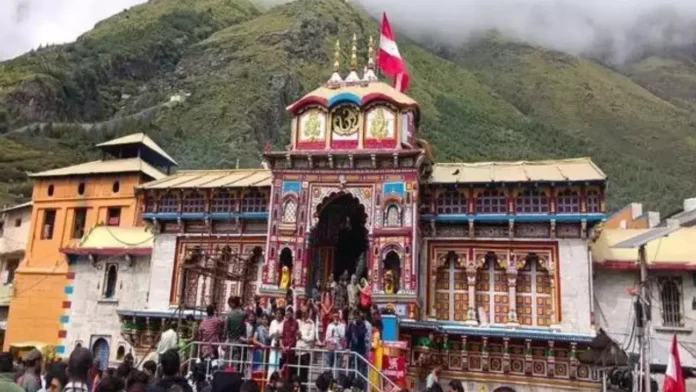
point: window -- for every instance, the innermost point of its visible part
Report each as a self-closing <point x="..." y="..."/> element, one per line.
<point x="532" y="202"/>
<point x="2" y="228"/>
<point x="392" y="216"/>
<point x="194" y="203"/>
<point x="169" y="203"/>
<point x="534" y="296"/>
<point x="492" y="292"/>
<point x="79" y="222"/>
<point x="568" y="202"/>
<point x="150" y="203"/>
<point x="110" y="280"/>
<point x="290" y="211"/>
<point x="491" y="202"/>
<point x="49" y="222"/>
<point x="12" y="265"/>
<point x="113" y="216"/>
<point x="116" y="187"/>
<point x="593" y="202"/>
<point x="18" y="222"/>
<point x="426" y="200"/>
<point x="451" y="202"/>
<point x="223" y="202"/>
<point x="254" y="201"/>
<point x="120" y="353"/>
<point x="670" y="296"/>
<point x="81" y="188"/>
<point x="451" y="291"/>
<point x="49" y="191"/>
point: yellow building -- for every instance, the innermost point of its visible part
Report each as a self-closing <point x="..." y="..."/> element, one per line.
<point x="67" y="203"/>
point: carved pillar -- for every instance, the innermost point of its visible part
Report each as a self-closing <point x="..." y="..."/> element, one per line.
<point x="573" y="361"/>
<point x="506" y="355"/>
<point x="528" y="363"/>
<point x="472" y="232"/>
<point x="550" y="360"/>
<point x="511" y="274"/>
<point x="471" y="286"/>
<point x="485" y="360"/>
<point x="432" y="280"/>
<point x="465" y="354"/>
<point x="511" y="228"/>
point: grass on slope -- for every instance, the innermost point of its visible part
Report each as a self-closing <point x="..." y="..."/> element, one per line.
<point x="671" y="76"/>
<point x="644" y="143"/>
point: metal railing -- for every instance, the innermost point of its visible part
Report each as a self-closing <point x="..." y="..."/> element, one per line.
<point x="258" y="363"/>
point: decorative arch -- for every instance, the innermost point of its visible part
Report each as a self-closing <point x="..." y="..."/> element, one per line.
<point x="391" y="264"/>
<point x="344" y="98"/>
<point x="504" y="389"/>
<point x="120" y="353"/>
<point x="322" y="197"/>
<point x="393" y="215"/>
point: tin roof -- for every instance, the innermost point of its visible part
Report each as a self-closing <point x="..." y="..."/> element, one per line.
<point x="104" y="167"/>
<point x="563" y="170"/>
<point x="110" y="240"/>
<point x="238" y="178"/>
<point x="138" y="138"/>
<point x="671" y="251"/>
<point x="16" y="207"/>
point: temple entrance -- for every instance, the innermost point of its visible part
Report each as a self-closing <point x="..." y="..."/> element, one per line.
<point x="339" y="241"/>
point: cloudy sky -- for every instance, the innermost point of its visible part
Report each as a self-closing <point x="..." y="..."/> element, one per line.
<point x="574" y="26"/>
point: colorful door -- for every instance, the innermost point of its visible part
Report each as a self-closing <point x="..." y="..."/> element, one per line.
<point x="451" y="293"/>
<point x="100" y="350"/>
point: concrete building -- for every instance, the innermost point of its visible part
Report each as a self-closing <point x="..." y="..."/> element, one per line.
<point x="67" y="203"/>
<point x="111" y="270"/>
<point x="14" y="230"/>
<point x="672" y="286"/>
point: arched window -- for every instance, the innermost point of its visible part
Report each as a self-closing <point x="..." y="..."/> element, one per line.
<point x="451" y="202"/>
<point x="491" y="202"/>
<point x="290" y="211"/>
<point x="285" y="276"/>
<point x="194" y="203"/>
<point x="670" y="295"/>
<point x="392" y="217"/>
<point x="169" y="203"/>
<point x="568" y="202"/>
<point x="110" y="281"/>
<point x="50" y="190"/>
<point x="254" y="201"/>
<point x="223" y="201"/>
<point x="534" y="296"/>
<point x="492" y="292"/>
<point x="593" y="202"/>
<point x="81" y="188"/>
<point x="532" y="201"/>
<point x="120" y="353"/>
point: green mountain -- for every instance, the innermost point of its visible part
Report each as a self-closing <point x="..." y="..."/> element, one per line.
<point x="233" y="67"/>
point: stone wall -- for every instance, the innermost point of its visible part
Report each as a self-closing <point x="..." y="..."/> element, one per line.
<point x="93" y="316"/>
<point x="163" y="260"/>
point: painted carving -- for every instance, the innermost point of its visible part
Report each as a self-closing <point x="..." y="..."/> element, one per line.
<point x="345" y="120"/>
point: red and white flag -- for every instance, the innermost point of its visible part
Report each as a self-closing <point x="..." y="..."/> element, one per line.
<point x="389" y="59"/>
<point x="674" y="378"/>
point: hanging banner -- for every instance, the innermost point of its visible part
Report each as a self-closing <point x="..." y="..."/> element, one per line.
<point x="394" y="368"/>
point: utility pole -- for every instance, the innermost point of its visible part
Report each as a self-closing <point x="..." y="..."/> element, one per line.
<point x="645" y="304"/>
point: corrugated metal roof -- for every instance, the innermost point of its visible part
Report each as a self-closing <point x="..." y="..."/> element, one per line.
<point x="17" y="207"/>
<point x="675" y="248"/>
<point x="578" y="169"/>
<point x="107" y="237"/>
<point x="103" y="167"/>
<point x="139" y="138"/>
<point x="238" y="178"/>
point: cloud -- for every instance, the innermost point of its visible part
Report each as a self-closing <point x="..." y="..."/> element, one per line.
<point x="615" y="29"/>
<point x="26" y="24"/>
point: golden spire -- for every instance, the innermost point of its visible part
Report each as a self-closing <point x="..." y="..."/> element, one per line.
<point x="371" y="54"/>
<point x="337" y="56"/>
<point x="354" y="53"/>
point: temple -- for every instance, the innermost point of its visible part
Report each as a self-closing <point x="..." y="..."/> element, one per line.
<point x="481" y="268"/>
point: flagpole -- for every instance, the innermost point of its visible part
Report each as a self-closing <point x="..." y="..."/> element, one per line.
<point x="644" y="296"/>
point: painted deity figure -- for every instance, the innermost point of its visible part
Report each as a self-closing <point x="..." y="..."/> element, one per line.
<point x="341" y="292"/>
<point x="389" y="282"/>
<point x="353" y="292"/>
<point x="285" y="277"/>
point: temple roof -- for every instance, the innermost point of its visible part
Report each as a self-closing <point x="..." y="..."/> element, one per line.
<point x="674" y="252"/>
<point x="114" y="241"/>
<point x="563" y="170"/>
<point x="152" y="152"/>
<point x="359" y="94"/>
<point x="111" y="166"/>
<point x="238" y="178"/>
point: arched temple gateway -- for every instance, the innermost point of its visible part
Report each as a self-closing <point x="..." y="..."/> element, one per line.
<point x="484" y="265"/>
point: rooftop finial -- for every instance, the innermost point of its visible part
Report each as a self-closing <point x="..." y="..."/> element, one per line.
<point x="353" y="75"/>
<point x="354" y="53"/>
<point x="336" y="79"/>
<point x="369" y="75"/>
<point x="337" y="56"/>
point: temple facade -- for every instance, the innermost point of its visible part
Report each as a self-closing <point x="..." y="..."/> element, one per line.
<point x="484" y="266"/>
